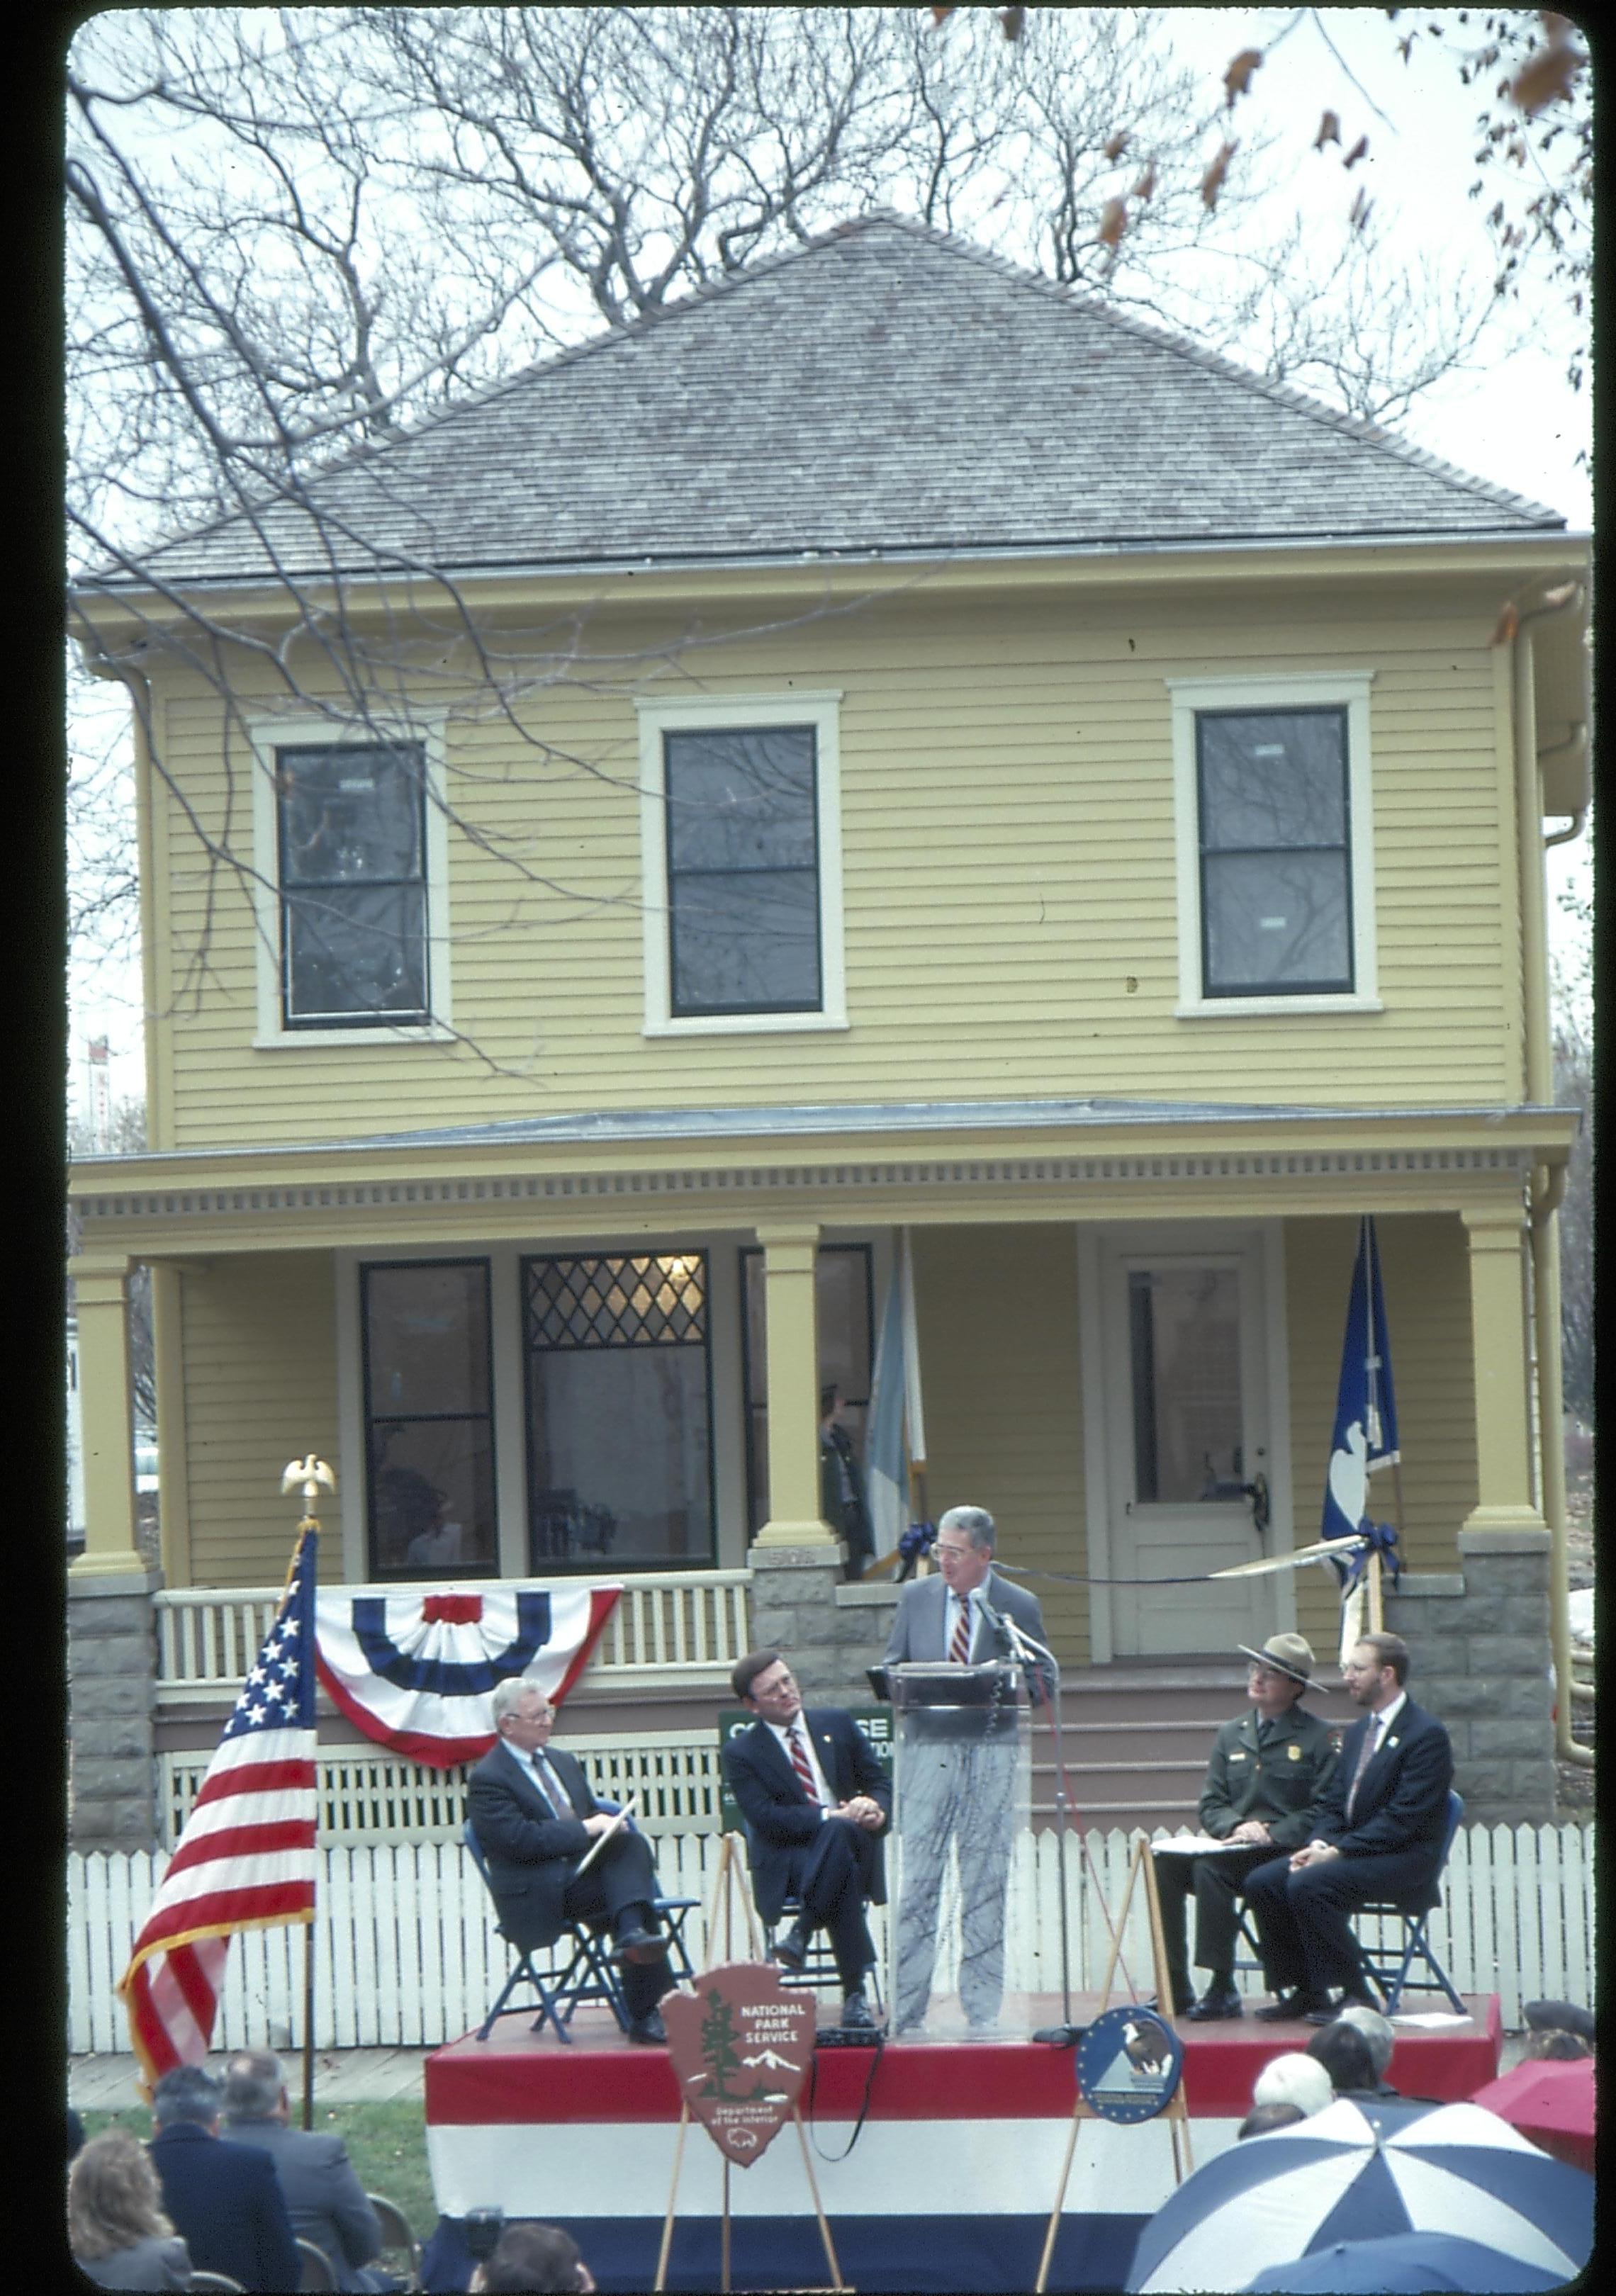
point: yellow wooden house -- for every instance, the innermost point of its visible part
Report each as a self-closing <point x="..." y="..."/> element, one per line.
<point x="888" y="746"/>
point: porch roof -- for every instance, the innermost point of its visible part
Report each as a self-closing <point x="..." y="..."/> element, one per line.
<point x="849" y="1120"/>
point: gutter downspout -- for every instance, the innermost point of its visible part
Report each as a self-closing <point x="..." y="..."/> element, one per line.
<point x="1548" y="1185"/>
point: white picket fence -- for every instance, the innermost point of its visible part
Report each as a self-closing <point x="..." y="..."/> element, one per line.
<point x="405" y="1953"/>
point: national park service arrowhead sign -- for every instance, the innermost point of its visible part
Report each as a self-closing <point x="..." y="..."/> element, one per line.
<point x="739" y="2046"/>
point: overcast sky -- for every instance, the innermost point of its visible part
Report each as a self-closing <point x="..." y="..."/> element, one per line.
<point x="1516" y="421"/>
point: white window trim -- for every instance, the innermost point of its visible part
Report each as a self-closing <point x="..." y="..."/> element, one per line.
<point x="822" y="712"/>
<point x="267" y="734"/>
<point x="1348" y="690"/>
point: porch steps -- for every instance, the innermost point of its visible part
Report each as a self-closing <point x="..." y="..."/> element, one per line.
<point x="1137" y="1736"/>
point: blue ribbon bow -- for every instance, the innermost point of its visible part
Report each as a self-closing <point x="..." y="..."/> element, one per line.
<point x="919" y="1539"/>
<point x="1378" y="1539"/>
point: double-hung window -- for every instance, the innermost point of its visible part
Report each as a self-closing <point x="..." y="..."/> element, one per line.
<point x="742" y="850"/>
<point x="350" y="843"/>
<point x="1274" y="851"/>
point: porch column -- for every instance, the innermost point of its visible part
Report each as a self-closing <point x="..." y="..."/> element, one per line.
<point x="1498" y="1325"/>
<point x="790" y="1252"/>
<point x="100" y="1284"/>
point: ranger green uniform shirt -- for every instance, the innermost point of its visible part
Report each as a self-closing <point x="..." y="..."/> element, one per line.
<point x="1278" y="1782"/>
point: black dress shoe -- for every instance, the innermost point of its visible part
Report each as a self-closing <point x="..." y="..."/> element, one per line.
<point x="1217" y="2001"/>
<point x="1331" y="2010"/>
<point x="640" y="1946"/>
<point x="856" y="2013"/>
<point x="792" y="1951"/>
<point x="1291" y="2007"/>
<point x="649" y="2030"/>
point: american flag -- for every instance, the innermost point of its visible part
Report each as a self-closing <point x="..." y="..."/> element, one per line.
<point x="246" y="1858"/>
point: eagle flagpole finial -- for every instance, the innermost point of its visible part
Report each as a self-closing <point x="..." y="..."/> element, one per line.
<point x="310" y="1473"/>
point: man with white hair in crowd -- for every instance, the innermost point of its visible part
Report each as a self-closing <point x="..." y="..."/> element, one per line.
<point x="1295" y="2079"/>
<point x="324" y="2194"/>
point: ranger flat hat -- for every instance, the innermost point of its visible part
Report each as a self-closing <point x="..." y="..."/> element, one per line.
<point x="1290" y="1655"/>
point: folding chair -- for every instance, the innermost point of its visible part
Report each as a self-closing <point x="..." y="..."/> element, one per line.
<point x="400" y="2249"/>
<point x="589" y="1974"/>
<point x="317" y="2277"/>
<point x="1414" y="1911"/>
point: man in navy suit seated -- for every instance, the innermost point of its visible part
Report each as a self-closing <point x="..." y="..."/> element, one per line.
<point x="1384" y="1819"/>
<point x="535" y="1818"/>
<point x="816" y="1800"/>
<point x="224" y="2200"/>
<point x="324" y="2194"/>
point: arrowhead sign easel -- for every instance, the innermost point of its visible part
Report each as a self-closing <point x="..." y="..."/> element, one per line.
<point x="1176" y="2111"/>
<point x="739" y="2046"/>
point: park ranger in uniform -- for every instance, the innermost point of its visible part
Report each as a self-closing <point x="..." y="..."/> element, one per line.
<point x="1269" y="1767"/>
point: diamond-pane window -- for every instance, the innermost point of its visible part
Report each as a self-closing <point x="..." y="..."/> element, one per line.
<point x="619" y="1411"/>
<point x="655" y="1300"/>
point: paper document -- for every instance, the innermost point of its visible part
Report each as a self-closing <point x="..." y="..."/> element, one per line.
<point x="1194" y="1845"/>
<point x="1432" y="2017"/>
<point x="620" y="1818"/>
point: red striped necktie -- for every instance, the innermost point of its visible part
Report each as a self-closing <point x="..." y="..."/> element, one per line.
<point x="800" y="1762"/>
<point x="1365" y="1754"/>
<point x="959" y="1649"/>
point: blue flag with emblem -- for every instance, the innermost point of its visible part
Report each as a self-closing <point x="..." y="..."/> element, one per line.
<point x="1366" y="1434"/>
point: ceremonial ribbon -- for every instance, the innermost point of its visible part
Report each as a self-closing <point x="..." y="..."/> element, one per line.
<point x="1375" y="1538"/>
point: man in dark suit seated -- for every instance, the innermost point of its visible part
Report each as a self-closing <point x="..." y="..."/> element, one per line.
<point x="1383" y="1819"/>
<point x="224" y="2200"/>
<point x="816" y="1800"/>
<point x="324" y="2194"/>
<point x="535" y="1818"/>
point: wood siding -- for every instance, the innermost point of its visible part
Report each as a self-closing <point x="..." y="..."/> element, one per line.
<point x="1009" y="879"/>
<point x="260" y="1355"/>
<point x="996" y="1310"/>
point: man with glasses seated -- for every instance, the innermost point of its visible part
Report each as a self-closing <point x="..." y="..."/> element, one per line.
<point x="535" y="1818"/>
<point x="1269" y="1767"/>
<point x="1379" y="1836"/>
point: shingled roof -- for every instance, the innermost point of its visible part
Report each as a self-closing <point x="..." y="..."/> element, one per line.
<point x="884" y="392"/>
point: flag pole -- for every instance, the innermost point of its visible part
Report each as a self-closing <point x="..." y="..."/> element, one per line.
<point x="307" y="1474"/>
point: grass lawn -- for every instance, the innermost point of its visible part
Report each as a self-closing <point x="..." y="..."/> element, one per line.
<point x="386" y="2143"/>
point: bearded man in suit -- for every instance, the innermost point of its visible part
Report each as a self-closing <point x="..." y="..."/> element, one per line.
<point x="1380" y="1835"/>
<point x="535" y="1817"/>
<point x="959" y="1790"/>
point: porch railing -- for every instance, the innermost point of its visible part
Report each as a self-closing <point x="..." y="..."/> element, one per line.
<point x="675" y="1630"/>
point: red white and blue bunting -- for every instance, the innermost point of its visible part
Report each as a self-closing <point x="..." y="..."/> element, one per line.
<point x="417" y="1672"/>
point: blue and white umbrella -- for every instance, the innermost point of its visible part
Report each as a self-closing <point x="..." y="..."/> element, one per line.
<point x="1340" y="2177"/>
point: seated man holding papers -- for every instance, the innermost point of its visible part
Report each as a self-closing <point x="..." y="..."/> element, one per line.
<point x="1269" y="1767"/>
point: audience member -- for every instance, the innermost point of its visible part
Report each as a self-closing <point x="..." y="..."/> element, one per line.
<point x="532" y="2257"/>
<point x="1378" y="2031"/>
<point x="1295" y="2079"/>
<point x="75" y="2135"/>
<point x="1262" y="2118"/>
<point x="1560" y="2017"/>
<point x="1556" y="2047"/>
<point x="224" y="2197"/>
<point x="324" y="2195"/>
<point x="117" y="2230"/>
<point x="1344" y="2054"/>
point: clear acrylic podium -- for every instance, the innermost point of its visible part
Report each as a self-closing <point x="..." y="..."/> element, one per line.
<point x="962" y="1809"/>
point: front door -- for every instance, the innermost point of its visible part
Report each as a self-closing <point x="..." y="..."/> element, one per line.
<point x="1187" y="1447"/>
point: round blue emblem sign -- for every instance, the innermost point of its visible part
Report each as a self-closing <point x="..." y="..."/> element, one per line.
<point x="1128" y="2064"/>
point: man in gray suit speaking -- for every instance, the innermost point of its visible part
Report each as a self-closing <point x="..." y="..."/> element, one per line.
<point x="958" y="1792"/>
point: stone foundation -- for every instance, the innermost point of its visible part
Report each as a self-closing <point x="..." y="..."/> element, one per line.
<point x="111" y="1699"/>
<point x="1481" y="1661"/>
<point x="829" y="1628"/>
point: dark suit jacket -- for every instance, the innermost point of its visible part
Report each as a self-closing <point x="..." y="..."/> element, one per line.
<point x="781" y="1822"/>
<point x="225" y="2202"/>
<point x="918" y="1627"/>
<point x="531" y="1852"/>
<point x="1401" y="1804"/>
<point x="324" y="2194"/>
